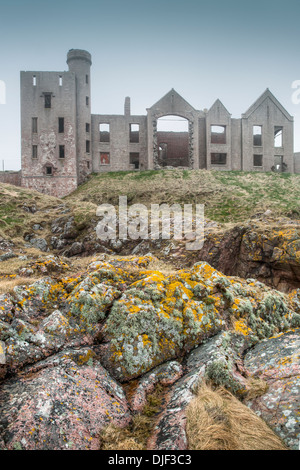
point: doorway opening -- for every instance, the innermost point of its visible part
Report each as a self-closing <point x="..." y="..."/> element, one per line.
<point x="173" y="141"/>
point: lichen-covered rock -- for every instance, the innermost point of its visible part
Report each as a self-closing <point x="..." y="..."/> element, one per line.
<point x="277" y="361"/>
<point x="90" y="300"/>
<point x="159" y="318"/>
<point x="62" y="403"/>
<point x="27" y="343"/>
<point x="34" y="299"/>
<point x="145" y="328"/>
<point x="216" y="360"/>
<point x="165" y="374"/>
<point x="49" y="265"/>
<point x="7" y="308"/>
<point x="8" y="255"/>
<point x="39" y="243"/>
<point x="269" y="253"/>
<point x="295" y="301"/>
<point x="219" y="361"/>
<point x="48" y="315"/>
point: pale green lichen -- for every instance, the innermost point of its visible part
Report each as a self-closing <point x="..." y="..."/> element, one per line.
<point x="218" y="371"/>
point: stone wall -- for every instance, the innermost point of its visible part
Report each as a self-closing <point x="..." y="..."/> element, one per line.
<point x="297" y="162"/>
<point x="114" y="155"/>
<point x="46" y="136"/>
<point x="11" y="177"/>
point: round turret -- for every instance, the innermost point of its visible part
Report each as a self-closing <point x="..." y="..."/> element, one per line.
<point x="79" y="62"/>
<point x="75" y="54"/>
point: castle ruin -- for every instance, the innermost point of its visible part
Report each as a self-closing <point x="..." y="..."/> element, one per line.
<point x="62" y="142"/>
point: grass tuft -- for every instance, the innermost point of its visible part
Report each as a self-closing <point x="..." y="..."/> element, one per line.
<point x="216" y="420"/>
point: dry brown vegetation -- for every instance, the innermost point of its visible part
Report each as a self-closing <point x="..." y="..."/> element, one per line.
<point x="17" y="216"/>
<point x="7" y="285"/>
<point x="216" y="420"/>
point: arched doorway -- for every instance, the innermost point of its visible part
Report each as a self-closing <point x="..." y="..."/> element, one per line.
<point x="173" y="141"/>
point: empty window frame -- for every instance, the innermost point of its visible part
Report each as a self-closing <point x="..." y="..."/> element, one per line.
<point x="86" y="79"/>
<point x="218" y="158"/>
<point x="257" y="160"/>
<point x="34" y="80"/>
<point x="134" y="159"/>
<point x="218" y="134"/>
<point x="34" y="153"/>
<point x="104" y="158"/>
<point x="60" y="80"/>
<point x="34" y="125"/>
<point x="49" y="170"/>
<point x="87" y="146"/>
<point x="61" y="125"/>
<point x="47" y="97"/>
<point x="87" y="100"/>
<point x="87" y="127"/>
<point x="134" y="133"/>
<point x="257" y="136"/>
<point x="104" y="130"/>
<point x="278" y="134"/>
<point x="61" y="151"/>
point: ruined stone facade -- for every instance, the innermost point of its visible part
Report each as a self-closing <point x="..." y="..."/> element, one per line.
<point x="62" y="142"/>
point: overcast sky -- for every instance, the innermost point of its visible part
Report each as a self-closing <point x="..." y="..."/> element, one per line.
<point x="231" y="50"/>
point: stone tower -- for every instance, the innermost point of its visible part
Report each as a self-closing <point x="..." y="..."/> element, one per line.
<point x="56" y="126"/>
<point x="79" y="62"/>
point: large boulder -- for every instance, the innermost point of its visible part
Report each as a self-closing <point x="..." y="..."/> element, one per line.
<point x="159" y="318"/>
<point x="277" y="362"/>
<point x="62" y="403"/>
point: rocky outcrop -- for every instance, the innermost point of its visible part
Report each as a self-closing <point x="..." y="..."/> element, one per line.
<point x="220" y="360"/>
<point x="61" y="403"/>
<point x="80" y="352"/>
<point x="265" y="249"/>
<point x="162" y="317"/>
<point x="269" y="253"/>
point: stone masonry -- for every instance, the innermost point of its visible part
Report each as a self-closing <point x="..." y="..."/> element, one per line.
<point x="62" y="142"/>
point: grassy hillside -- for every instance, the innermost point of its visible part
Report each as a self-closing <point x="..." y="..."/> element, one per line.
<point x="21" y="208"/>
<point x="228" y="196"/>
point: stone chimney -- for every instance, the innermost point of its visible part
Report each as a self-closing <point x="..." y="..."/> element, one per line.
<point x="127" y="106"/>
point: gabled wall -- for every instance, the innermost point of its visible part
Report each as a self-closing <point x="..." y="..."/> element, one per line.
<point x="268" y="113"/>
<point x="218" y="116"/>
<point x="173" y="104"/>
